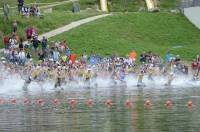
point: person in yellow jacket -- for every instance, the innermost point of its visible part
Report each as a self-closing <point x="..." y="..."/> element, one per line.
<point x="88" y="75"/>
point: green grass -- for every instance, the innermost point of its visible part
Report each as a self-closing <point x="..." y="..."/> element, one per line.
<point x="13" y="3"/>
<point x="115" y="6"/>
<point x="60" y="16"/>
<point x="121" y="33"/>
<point x="126" y="5"/>
<point x="135" y="5"/>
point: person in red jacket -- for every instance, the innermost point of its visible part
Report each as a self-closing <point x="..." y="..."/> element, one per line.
<point x="72" y="58"/>
<point x="6" y="41"/>
<point x="194" y="66"/>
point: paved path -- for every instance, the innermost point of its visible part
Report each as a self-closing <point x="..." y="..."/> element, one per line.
<point x="70" y="26"/>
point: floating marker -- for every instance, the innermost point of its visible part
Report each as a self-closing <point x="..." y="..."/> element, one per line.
<point x="108" y="103"/>
<point x="26" y="101"/>
<point x="168" y="104"/>
<point x="13" y="101"/>
<point x="190" y="104"/>
<point x="148" y="104"/>
<point x="89" y="102"/>
<point x="2" y="101"/>
<point x="40" y="102"/>
<point x="73" y="103"/>
<point x="128" y="103"/>
<point x="56" y="102"/>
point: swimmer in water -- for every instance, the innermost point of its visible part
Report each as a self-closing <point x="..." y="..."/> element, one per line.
<point x="88" y="76"/>
<point x="150" y="72"/>
<point x="140" y="79"/>
<point x="170" y="79"/>
<point x="58" y="78"/>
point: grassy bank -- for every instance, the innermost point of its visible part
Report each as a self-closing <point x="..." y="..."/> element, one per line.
<point x="13" y="3"/>
<point x="136" y="5"/>
<point x="121" y="33"/>
<point x="61" y="15"/>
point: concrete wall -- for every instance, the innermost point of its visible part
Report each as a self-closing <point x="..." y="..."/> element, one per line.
<point x="193" y="14"/>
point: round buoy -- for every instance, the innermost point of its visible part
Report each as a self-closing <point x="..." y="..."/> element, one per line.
<point x="89" y="102"/>
<point x="73" y="103"/>
<point x="26" y="101"/>
<point x="190" y="104"/>
<point x="108" y="103"/>
<point x="40" y="102"/>
<point x="56" y="102"/>
<point x="2" y="101"/>
<point x="13" y="101"/>
<point x="128" y="103"/>
<point x="148" y="104"/>
<point x="168" y="104"/>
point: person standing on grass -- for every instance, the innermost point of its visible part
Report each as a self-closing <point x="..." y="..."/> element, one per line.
<point x="21" y="46"/>
<point x="44" y="43"/>
<point x="14" y="26"/>
<point x="6" y="41"/>
<point x="12" y="42"/>
<point x="5" y="11"/>
<point x="56" y="55"/>
<point x="29" y="32"/>
<point x="22" y="57"/>
<point x="35" y="43"/>
<point x="20" y="5"/>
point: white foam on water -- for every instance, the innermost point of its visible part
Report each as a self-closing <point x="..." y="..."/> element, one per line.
<point x="13" y="85"/>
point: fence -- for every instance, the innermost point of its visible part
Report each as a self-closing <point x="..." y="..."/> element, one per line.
<point x="188" y="3"/>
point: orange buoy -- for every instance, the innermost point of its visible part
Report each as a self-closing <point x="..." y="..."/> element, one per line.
<point x="89" y="102"/>
<point x="56" y="102"/>
<point x="190" y="104"/>
<point x="26" y="101"/>
<point x="73" y="103"/>
<point x="40" y="102"/>
<point x="108" y="103"/>
<point x="2" y="101"/>
<point x="128" y="103"/>
<point x="148" y="104"/>
<point x="168" y="104"/>
<point x="13" y="101"/>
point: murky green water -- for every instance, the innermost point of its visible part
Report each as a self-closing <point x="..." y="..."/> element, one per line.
<point x="99" y="118"/>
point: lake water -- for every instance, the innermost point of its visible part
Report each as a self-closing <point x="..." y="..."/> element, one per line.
<point x="99" y="117"/>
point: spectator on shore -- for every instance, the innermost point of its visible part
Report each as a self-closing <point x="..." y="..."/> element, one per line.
<point x="28" y="56"/>
<point x="194" y="67"/>
<point x="20" y="5"/>
<point x="14" y="26"/>
<point x="63" y="46"/>
<point x="5" y="11"/>
<point x="12" y="42"/>
<point x="29" y="32"/>
<point x="143" y="57"/>
<point x="41" y="55"/>
<point x="21" y="46"/>
<point x="22" y="57"/>
<point x="6" y="42"/>
<point x="35" y="43"/>
<point x="44" y="43"/>
<point x="56" y="55"/>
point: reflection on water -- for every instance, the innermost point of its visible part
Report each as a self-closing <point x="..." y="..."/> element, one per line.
<point x="100" y="118"/>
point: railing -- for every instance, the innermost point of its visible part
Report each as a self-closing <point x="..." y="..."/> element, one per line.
<point x="188" y="3"/>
